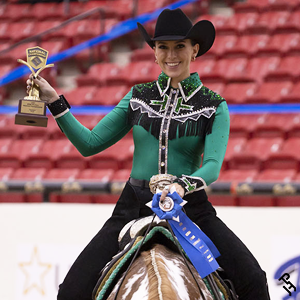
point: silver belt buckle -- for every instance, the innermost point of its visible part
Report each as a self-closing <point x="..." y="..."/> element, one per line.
<point x="160" y="181"/>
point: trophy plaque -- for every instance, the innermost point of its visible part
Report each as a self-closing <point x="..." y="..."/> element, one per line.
<point x="32" y="110"/>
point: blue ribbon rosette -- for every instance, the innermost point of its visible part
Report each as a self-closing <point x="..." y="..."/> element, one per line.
<point x="197" y="245"/>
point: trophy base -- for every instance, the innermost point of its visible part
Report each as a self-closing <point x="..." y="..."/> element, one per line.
<point x="39" y="121"/>
<point x="31" y="113"/>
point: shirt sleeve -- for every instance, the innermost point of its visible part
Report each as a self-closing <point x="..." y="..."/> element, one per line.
<point x="106" y="133"/>
<point x="213" y="155"/>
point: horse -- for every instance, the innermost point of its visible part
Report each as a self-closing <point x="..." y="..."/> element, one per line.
<point x="151" y="266"/>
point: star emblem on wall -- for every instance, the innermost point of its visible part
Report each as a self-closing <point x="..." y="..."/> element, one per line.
<point x="35" y="271"/>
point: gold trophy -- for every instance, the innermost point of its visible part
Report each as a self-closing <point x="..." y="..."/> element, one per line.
<point x="32" y="110"/>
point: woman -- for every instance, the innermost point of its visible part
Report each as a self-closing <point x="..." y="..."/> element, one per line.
<point x="174" y="119"/>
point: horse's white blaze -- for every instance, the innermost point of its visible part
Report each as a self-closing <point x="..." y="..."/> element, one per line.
<point x="156" y="273"/>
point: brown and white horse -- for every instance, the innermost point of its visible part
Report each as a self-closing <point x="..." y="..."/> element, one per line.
<point x="159" y="271"/>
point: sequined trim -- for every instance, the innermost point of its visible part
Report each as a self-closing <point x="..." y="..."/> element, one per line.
<point x="191" y="183"/>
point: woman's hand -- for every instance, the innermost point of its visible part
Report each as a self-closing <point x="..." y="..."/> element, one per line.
<point x="178" y="187"/>
<point x="47" y="92"/>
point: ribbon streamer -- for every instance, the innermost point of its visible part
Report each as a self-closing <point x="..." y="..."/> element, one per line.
<point x="199" y="248"/>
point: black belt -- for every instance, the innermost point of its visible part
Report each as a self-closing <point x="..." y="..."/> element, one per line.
<point x="139" y="182"/>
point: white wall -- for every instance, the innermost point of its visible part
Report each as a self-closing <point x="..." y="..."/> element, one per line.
<point x="39" y="242"/>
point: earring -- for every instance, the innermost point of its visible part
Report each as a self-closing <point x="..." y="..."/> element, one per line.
<point x="156" y="61"/>
<point x="194" y="58"/>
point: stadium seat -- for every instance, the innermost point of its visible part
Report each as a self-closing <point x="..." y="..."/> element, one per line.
<point x="5" y="197"/>
<point x="116" y="157"/>
<point x="8" y="129"/>
<point x="294" y="130"/>
<point x="227" y="69"/>
<point x="42" y="26"/>
<point x="48" y="153"/>
<point x="4" y="32"/>
<point x="20" y="52"/>
<point x="140" y="72"/>
<point x="223" y="44"/>
<point x="286" y="69"/>
<point x="256" y="151"/>
<point x="249" y="45"/>
<point x="121" y="175"/>
<point x="16" y="12"/>
<point x="271" y="92"/>
<point x="292" y="23"/>
<point x="117" y="75"/>
<point x="143" y="54"/>
<point x="217" y="87"/>
<point x="273" y="125"/>
<point x="123" y="9"/>
<point x="258" y="67"/>
<point x="238" y="176"/>
<point x="235" y="146"/>
<point x="276" y="175"/>
<point x="219" y="21"/>
<point x="103" y="176"/>
<point x="292" y="200"/>
<point x="30" y="175"/>
<point x="18" y="151"/>
<point x="80" y="95"/>
<point x="281" y="43"/>
<point x="70" y="158"/>
<point x="109" y="95"/>
<point x="96" y="74"/>
<point x="48" y="11"/>
<point x="270" y="21"/>
<point x="249" y="6"/>
<point x="238" y="93"/>
<point x="243" y="125"/>
<point x="203" y="66"/>
<point x="21" y="30"/>
<point x="240" y="22"/>
<point x="288" y="156"/>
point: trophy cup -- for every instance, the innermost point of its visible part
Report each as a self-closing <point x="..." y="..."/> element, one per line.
<point x="32" y="110"/>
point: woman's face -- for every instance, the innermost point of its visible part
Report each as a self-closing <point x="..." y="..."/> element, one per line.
<point x="174" y="58"/>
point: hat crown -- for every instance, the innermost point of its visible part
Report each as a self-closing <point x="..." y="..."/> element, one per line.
<point x="172" y="22"/>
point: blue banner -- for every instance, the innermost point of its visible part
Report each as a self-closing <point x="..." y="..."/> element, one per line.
<point x="199" y="248"/>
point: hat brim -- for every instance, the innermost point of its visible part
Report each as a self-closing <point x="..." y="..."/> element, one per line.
<point x="203" y="33"/>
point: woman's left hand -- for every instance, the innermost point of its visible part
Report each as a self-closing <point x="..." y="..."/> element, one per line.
<point x="179" y="190"/>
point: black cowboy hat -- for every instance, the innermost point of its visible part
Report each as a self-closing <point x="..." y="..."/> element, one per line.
<point x="174" y="25"/>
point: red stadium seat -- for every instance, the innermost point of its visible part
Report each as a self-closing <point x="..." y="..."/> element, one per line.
<point x="276" y="175"/>
<point x="48" y="154"/>
<point x="240" y="22"/>
<point x="243" y="125"/>
<point x="223" y="44"/>
<point x="270" y="21"/>
<point x="18" y="151"/>
<point x="292" y="23"/>
<point x="122" y="9"/>
<point x="258" y="67"/>
<point x="150" y="5"/>
<point x="286" y="69"/>
<point x="43" y="26"/>
<point x="256" y="151"/>
<point x="294" y="130"/>
<point x="227" y="69"/>
<point x="8" y="129"/>
<point x="117" y="75"/>
<point x="288" y="156"/>
<point x="80" y="95"/>
<point x="203" y="66"/>
<point x="118" y="156"/>
<point x="273" y="125"/>
<point x="21" y="30"/>
<point x="4" y="32"/>
<point x="235" y="146"/>
<point x="281" y="43"/>
<point x="238" y="175"/>
<point x="238" y="93"/>
<point x="97" y="74"/>
<point x="18" y="12"/>
<point x="140" y="71"/>
<point x="121" y="175"/>
<point x="20" y="52"/>
<point x="271" y="92"/>
<point x="59" y="174"/>
<point x="217" y="87"/>
<point x="110" y="95"/>
<point x="143" y="54"/>
<point x="219" y="21"/>
<point x="48" y="11"/>
<point x="6" y="174"/>
<point x="249" y="44"/>
<point x="250" y="6"/>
